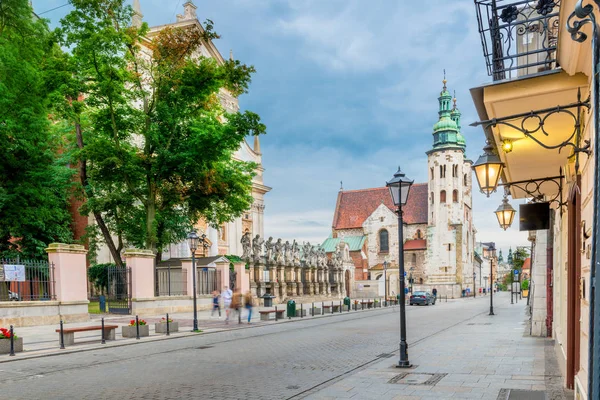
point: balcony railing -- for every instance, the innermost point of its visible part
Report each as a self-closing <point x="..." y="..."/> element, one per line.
<point x="519" y="38"/>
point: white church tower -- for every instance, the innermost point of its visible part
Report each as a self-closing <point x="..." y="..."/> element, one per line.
<point x="450" y="228"/>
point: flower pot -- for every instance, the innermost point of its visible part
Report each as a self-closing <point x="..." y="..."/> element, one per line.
<point x="130" y="331"/>
<point x="5" y="345"/>
<point x="161" y="327"/>
<point x="525" y="292"/>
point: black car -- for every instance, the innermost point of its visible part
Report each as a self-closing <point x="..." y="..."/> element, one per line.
<point x="421" y="298"/>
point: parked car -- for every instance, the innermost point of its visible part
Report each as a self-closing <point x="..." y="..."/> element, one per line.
<point x="421" y="298"/>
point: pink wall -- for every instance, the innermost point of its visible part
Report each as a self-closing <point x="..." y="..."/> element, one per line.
<point x="142" y="272"/>
<point x="242" y="280"/>
<point x="70" y="272"/>
<point x="187" y="266"/>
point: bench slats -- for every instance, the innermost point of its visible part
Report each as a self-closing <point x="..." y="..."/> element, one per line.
<point x="88" y="328"/>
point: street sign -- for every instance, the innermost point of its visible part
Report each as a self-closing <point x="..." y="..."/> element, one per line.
<point x="516" y="272"/>
<point x="404" y="273"/>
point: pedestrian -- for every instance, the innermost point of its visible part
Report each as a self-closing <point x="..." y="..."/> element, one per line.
<point x="226" y="295"/>
<point x="236" y="306"/>
<point x="434" y="292"/>
<point x="216" y="306"/>
<point x="248" y="304"/>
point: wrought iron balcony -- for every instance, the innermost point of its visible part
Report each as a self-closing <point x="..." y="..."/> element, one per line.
<point x="519" y="38"/>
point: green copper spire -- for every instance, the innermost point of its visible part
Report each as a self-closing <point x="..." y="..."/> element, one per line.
<point x="446" y="132"/>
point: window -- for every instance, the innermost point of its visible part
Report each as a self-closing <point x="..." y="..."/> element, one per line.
<point x="432" y="175"/>
<point x="443" y="196"/>
<point x="383" y="241"/>
<point x="419" y="234"/>
<point x="223" y="233"/>
<point x="465" y="180"/>
<point x="432" y="198"/>
<point x="449" y="247"/>
<point x="455" y="196"/>
<point x="414" y="260"/>
<point x="454" y="171"/>
<point x="441" y="171"/>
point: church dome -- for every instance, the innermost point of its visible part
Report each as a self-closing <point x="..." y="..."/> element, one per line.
<point x="445" y="124"/>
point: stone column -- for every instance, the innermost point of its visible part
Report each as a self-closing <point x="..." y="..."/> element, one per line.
<point x="186" y="265"/>
<point x="299" y="290"/>
<point x="242" y="277"/>
<point x="253" y="279"/>
<point x="141" y="263"/>
<point x="70" y="273"/>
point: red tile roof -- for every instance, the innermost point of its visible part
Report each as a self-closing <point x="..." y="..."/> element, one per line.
<point x="416" y="244"/>
<point x="527" y="264"/>
<point x="354" y="206"/>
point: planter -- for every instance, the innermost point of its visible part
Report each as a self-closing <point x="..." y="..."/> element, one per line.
<point x="161" y="327"/>
<point x="130" y="331"/>
<point x="5" y="345"/>
<point x="525" y="292"/>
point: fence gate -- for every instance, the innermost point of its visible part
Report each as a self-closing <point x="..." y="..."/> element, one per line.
<point x="119" y="290"/>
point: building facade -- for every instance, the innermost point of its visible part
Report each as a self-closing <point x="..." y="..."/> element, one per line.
<point x="438" y="229"/>
<point x="540" y="116"/>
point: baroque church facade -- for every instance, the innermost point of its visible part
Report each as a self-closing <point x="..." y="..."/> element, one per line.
<point x="225" y="239"/>
<point x="438" y="219"/>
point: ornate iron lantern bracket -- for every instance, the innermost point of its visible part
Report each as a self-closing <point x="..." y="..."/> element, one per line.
<point x="535" y="122"/>
<point x="533" y="189"/>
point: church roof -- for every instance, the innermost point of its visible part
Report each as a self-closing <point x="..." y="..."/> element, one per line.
<point x="355" y="206"/>
<point x="355" y="243"/>
<point x="415" y="244"/>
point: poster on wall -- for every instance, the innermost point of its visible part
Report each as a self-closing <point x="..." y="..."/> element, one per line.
<point x="1" y="273"/>
<point x="14" y="273"/>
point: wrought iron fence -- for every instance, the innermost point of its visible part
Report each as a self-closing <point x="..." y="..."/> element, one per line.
<point x="171" y="281"/>
<point x="209" y="280"/>
<point x="26" y="280"/>
<point x="519" y="38"/>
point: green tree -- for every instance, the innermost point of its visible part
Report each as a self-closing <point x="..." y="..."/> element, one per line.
<point x="156" y="142"/>
<point x="34" y="182"/>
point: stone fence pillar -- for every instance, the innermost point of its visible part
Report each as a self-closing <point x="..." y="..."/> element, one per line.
<point x="70" y="271"/>
<point x="186" y="265"/>
<point x="242" y="277"/>
<point x="141" y="263"/>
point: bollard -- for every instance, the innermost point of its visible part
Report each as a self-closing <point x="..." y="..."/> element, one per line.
<point x="239" y="311"/>
<point x="62" y="339"/>
<point x="340" y="306"/>
<point x="168" y="331"/>
<point x="12" y="341"/>
<point x="137" y="328"/>
<point x="322" y="308"/>
<point x="103" y="338"/>
<point x="332" y="307"/>
<point x="312" y="310"/>
<point x="301" y="312"/>
<point x="275" y="313"/>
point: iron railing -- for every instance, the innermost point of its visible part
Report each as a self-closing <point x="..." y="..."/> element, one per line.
<point x="26" y="280"/>
<point x="519" y="37"/>
<point x="171" y="281"/>
<point x="209" y="280"/>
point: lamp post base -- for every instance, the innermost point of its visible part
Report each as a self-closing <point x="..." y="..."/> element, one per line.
<point x="492" y="311"/>
<point x="404" y="364"/>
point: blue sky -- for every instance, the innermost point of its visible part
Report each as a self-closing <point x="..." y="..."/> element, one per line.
<point x="348" y="90"/>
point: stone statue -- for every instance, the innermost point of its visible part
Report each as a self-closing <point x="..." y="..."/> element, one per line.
<point x="287" y="253"/>
<point x="257" y="244"/>
<point x="278" y="250"/>
<point x="306" y="249"/>
<point x="269" y="249"/>
<point x="296" y="254"/>
<point x="312" y="257"/>
<point x="246" y="246"/>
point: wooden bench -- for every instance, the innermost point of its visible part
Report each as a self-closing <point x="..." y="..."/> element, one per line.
<point x="69" y="333"/>
<point x="266" y="315"/>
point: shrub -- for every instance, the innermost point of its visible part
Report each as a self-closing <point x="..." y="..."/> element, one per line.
<point x="525" y="285"/>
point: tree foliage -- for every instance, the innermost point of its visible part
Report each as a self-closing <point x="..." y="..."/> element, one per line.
<point x="34" y="178"/>
<point x="155" y="141"/>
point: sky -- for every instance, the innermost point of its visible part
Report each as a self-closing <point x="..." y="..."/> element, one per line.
<point x="348" y="90"/>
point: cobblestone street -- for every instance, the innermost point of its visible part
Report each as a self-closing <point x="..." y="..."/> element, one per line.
<point x="275" y="361"/>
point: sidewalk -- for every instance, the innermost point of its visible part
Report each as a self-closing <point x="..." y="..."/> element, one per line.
<point x="40" y="341"/>
<point x="488" y="357"/>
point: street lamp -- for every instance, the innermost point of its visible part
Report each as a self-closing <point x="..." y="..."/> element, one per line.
<point x="505" y="214"/>
<point x="488" y="168"/>
<point x="485" y="279"/>
<point x="399" y="187"/>
<point x="385" y="264"/>
<point x="193" y="240"/>
<point x="474" y="291"/>
<point x="493" y="252"/>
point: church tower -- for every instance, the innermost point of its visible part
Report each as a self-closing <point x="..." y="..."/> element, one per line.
<point x="450" y="228"/>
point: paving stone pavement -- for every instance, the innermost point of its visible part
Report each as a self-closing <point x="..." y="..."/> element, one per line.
<point x="343" y="356"/>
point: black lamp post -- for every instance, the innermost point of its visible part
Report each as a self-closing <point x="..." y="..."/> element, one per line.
<point x="474" y="291"/>
<point x="493" y="253"/>
<point x="385" y="264"/>
<point x="193" y="240"/>
<point x="399" y="187"/>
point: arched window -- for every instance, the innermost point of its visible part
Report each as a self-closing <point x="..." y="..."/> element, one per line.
<point x="455" y="196"/>
<point x="443" y="196"/>
<point x="465" y="180"/>
<point x="420" y="280"/>
<point x="441" y="171"/>
<point x="414" y="260"/>
<point x="419" y="234"/>
<point x="432" y="198"/>
<point x="454" y="171"/>
<point x="384" y="241"/>
<point x="432" y="175"/>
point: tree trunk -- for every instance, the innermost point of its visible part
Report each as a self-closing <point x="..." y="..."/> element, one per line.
<point x="89" y="193"/>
